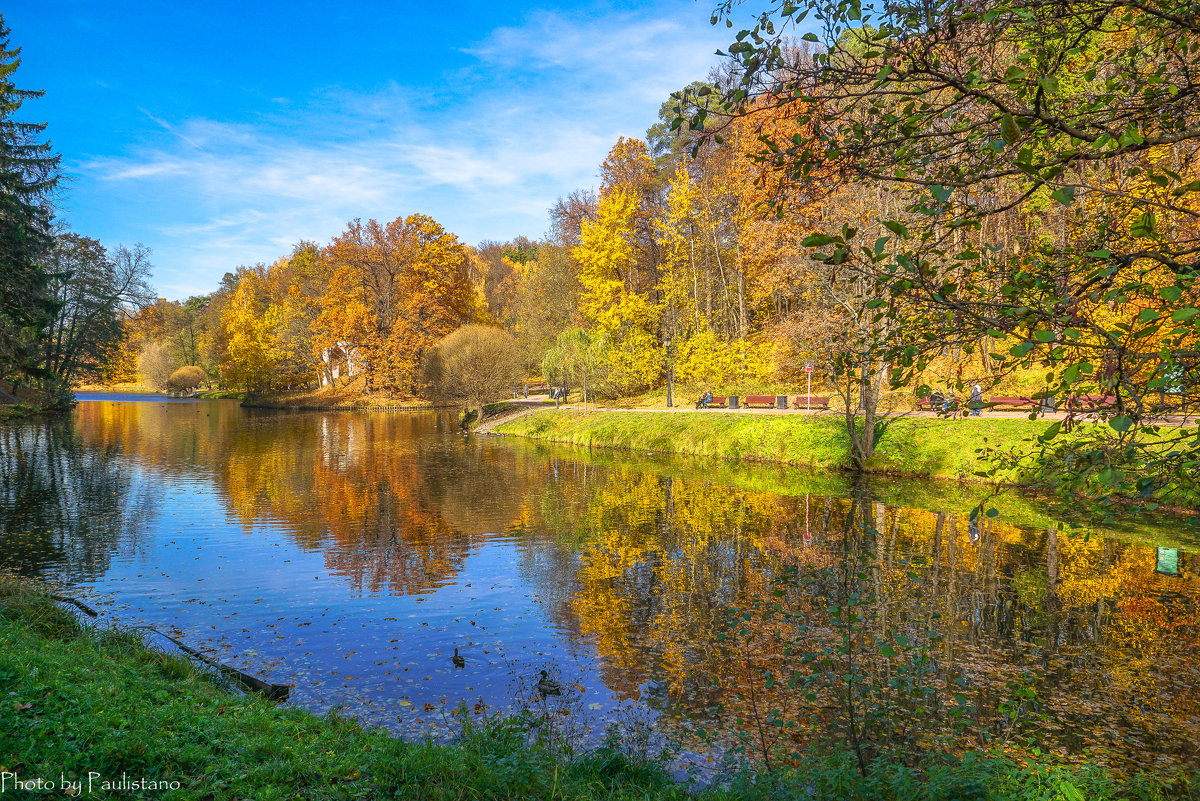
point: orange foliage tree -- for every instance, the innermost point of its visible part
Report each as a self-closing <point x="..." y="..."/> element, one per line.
<point x="394" y="290"/>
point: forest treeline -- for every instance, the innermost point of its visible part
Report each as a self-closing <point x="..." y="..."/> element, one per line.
<point x="669" y="252"/>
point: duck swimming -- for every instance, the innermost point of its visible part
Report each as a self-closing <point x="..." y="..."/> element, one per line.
<point x="548" y="686"/>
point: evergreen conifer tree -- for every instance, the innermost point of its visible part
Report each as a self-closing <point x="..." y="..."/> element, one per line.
<point x="29" y="171"/>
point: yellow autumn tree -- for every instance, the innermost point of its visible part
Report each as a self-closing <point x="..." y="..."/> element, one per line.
<point x="628" y="319"/>
<point x="249" y="325"/>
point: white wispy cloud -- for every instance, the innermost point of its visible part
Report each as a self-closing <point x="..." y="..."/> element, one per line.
<point x="529" y="121"/>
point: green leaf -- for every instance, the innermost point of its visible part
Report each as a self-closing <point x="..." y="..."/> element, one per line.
<point x="1051" y="432"/>
<point x="1022" y="349"/>
<point x="1043" y="336"/>
<point x="1070" y="792"/>
<point x="818" y="240"/>
<point x="1122" y="423"/>
<point x="1064" y="195"/>
<point x="887" y="650"/>
<point x="1009" y="129"/>
<point x="810" y="37"/>
<point x="1185" y="315"/>
<point x="941" y="193"/>
<point x="896" y="228"/>
<point x="1143" y="226"/>
<point x="1171" y="293"/>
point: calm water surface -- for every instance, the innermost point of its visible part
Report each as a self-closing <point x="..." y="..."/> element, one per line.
<point x="349" y="554"/>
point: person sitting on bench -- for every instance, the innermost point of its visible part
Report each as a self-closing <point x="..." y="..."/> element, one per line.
<point x="705" y="399"/>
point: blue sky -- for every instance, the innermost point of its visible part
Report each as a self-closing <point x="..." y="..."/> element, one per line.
<point x="220" y="134"/>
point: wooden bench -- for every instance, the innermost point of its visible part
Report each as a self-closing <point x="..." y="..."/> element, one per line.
<point x="1087" y="402"/>
<point x="807" y="401"/>
<point x="759" y="400"/>
<point x="1039" y="402"/>
<point x="718" y="401"/>
<point x="927" y="404"/>
<point x="1017" y="403"/>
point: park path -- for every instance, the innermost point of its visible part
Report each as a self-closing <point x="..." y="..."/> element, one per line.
<point x="525" y="407"/>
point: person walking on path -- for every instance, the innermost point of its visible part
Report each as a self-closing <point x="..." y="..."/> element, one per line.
<point x="975" y="402"/>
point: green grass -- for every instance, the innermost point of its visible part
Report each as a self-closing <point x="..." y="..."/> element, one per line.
<point x="949" y="447"/>
<point x="821" y="442"/>
<point x="914" y="447"/>
<point x="76" y="701"/>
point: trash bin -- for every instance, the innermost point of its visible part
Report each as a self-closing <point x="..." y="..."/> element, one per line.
<point x="733" y="402"/>
<point x="1046" y="405"/>
<point x="781" y="401"/>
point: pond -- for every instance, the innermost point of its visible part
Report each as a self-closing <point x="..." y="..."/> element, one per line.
<point x="350" y="554"/>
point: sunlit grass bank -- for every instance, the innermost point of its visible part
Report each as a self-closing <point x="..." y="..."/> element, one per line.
<point x="86" y="704"/>
<point x="129" y="386"/>
<point x="916" y="447"/>
<point x="348" y="396"/>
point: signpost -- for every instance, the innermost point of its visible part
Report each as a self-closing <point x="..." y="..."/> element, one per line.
<point x="808" y="368"/>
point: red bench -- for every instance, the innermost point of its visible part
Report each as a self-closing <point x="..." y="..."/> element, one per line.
<point x="1090" y="401"/>
<point x="1018" y="403"/>
<point x="759" y="400"/>
<point x="807" y="401"/>
<point x="718" y="401"/>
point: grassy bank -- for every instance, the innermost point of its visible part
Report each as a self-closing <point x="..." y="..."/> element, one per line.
<point x="90" y="704"/>
<point x="348" y="396"/>
<point x="915" y="447"/>
<point x="131" y="386"/>
<point x="1017" y="506"/>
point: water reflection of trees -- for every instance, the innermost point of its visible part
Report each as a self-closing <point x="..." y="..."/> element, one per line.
<point x="1075" y="641"/>
<point x="65" y="507"/>
<point x="393" y="503"/>
<point x="645" y="564"/>
<point x="361" y="488"/>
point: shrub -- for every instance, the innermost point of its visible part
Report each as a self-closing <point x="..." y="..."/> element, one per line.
<point x="186" y="378"/>
<point x="474" y="365"/>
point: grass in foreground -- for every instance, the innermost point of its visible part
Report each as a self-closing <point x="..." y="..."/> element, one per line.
<point x="80" y="704"/>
